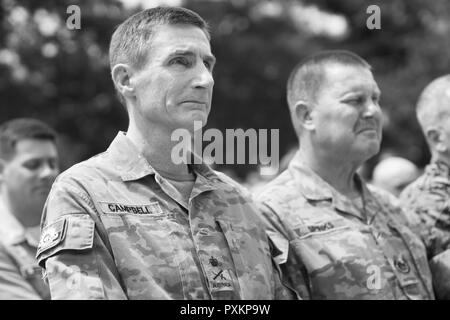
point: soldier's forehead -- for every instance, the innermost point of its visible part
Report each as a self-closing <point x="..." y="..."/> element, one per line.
<point x="345" y="78"/>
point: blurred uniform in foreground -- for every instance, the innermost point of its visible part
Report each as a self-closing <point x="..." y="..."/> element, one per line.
<point x="393" y="174"/>
<point x="337" y="239"/>
<point x="133" y="222"/>
<point x="28" y="167"/>
<point x="429" y="196"/>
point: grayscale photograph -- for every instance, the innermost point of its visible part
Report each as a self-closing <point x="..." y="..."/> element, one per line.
<point x="247" y="151"/>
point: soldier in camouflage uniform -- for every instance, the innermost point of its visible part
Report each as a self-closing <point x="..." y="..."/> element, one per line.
<point x="130" y="223"/>
<point x="335" y="238"/>
<point x="429" y="196"/>
<point x="29" y="165"/>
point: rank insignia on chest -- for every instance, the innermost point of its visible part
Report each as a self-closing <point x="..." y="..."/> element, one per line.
<point x="213" y="261"/>
<point x="219" y="278"/>
<point x="402" y="265"/>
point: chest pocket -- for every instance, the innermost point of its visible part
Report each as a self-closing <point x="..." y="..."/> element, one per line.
<point x="146" y="251"/>
<point x="410" y="267"/>
<point x="251" y="258"/>
<point x="338" y="259"/>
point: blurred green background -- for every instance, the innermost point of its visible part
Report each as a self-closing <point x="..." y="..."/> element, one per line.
<point x="62" y="76"/>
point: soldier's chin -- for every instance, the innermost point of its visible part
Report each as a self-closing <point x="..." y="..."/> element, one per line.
<point x="370" y="150"/>
<point x="195" y="124"/>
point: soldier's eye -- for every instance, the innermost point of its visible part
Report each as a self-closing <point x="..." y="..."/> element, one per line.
<point x="180" y="61"/>
<point x="376" y="98"/>
<point x="53" y="164"/>
<point x="32" y="164"/>
<point x="355" y="100"/>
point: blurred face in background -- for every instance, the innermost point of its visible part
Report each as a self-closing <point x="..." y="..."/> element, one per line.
<point x="28" y="175"/>
<point x="347" y="117"/>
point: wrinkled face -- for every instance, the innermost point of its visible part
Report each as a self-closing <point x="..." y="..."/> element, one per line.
<point x="29" y="174"/>
<point x="174" y="88"/>
<point x="347" y="117"/>
<point x="445" y="127"/>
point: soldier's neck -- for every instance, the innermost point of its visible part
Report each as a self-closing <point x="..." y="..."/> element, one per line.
<point x="341" y="176"/>
<point x="27" y="213"/>
<point x="156" y="146"/>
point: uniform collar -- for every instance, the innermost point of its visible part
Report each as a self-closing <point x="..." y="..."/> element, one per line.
<point x="206" y="179"/>
<point x="127" y="159"/>
<point x="314" y="188"/>
<point x="12" y="232"/>
<point x="311" y="185"/>
<point x="132" y="165"/>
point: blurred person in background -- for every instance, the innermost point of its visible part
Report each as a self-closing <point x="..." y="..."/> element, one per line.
<point x="393" y="174"/>
<point x="429" y="196"/>
<point x="28" y="167"/>
<point x="336" y="239"/>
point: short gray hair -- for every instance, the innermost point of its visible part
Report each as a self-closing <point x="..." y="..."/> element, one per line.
<point x="431" y="107"/>
<point x="307" y="77"/>
<point x="131" y="41"/>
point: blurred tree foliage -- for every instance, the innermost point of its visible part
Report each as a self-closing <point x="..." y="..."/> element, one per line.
<point x="62" y="76"/>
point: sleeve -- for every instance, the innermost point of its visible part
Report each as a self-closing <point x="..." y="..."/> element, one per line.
<point x="432" y="209"/>
<point x="283" y="291"/>
<point x="13" y="286"/>
<point x="76" y="259"/>
<point x="275" y="231"/>
<point x="291" y="271"/>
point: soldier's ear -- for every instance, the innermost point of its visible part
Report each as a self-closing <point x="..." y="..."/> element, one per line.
<point x="436" y="139"/>
<point x="303" y="115"/>
<point x="121" y="75"/>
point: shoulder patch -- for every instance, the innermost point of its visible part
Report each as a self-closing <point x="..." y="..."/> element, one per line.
<point x="52" y="235"/>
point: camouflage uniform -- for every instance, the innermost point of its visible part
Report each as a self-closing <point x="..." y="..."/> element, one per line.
<point x="20" y="276"/>
<point x="429" y="198"/>
<point x="330" y="247"/>
<point x="113" y="228"/>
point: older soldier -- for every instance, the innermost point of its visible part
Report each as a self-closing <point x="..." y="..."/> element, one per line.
<point x="28" y="167"/>
<point x="429" y="196"/>
<point x="335" y="238"/>
<point x="130" y="222"/>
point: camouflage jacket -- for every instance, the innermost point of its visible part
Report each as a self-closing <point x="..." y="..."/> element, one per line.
<point x="113" y="228"/>
<point x="429" y="199"/>
<point x="330" y="247"/>
<point x="20" y="276"/>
